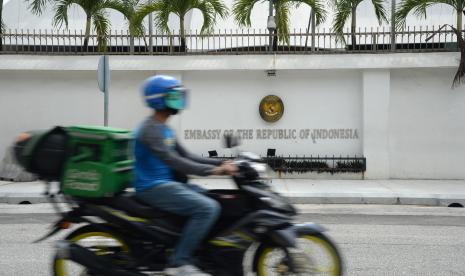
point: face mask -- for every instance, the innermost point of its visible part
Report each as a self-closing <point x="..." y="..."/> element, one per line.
<point x="176" y="98"/>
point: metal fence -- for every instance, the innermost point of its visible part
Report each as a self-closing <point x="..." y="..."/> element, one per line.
<point x="318" y="164"/>
<point x="245" y="41"/>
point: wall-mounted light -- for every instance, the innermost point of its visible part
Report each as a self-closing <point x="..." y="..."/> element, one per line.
<point x="271" y="23"/>
<point x="212" y="153"/>
<point x="270" y="152"/>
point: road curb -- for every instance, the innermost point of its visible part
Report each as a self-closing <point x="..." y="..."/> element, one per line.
<point x="342" y="200"/>
<point x="30" y="198"/>
<point x="387" y="200"/>
<point x="24" y="198"/>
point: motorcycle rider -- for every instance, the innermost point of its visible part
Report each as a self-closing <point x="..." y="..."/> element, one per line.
<point x="159" y="159"/>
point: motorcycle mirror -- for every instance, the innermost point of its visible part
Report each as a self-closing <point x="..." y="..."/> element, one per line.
<point x="231" y="141"/>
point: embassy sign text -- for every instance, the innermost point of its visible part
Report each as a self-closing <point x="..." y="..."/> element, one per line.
<point x="274" y="134"/>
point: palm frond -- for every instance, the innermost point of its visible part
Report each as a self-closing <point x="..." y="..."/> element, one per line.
<point x="135" y="23"/>
<point x="161" y="18"/>
<point x="61" y="12"/>
<point x="124" y="7"/>
<point x="2" y="27"/>
<point x="180" y="7"/>
<point x="418" y="7"/>
<point x="242" y="10"/>
<point x="219" y="7"/>
<point x="37" y="6"/>
<point x="318" y="8"/>
<point x="209" y="9"/>
<point x="332" y="4"/>
<point x="380" y="11"/>
<point x="343" y="12"/>
<point x="101" y="28"/>
<point x="282" y="20"/>
<point x="128" y="9"/>
<point x="208" y="15"/>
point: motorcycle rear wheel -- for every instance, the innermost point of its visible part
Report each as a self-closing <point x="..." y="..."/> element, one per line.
<point x="273" y="261"/>
<point x="94" y="239"/>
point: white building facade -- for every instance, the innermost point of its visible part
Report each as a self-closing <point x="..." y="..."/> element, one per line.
<point x="397" y="110"/>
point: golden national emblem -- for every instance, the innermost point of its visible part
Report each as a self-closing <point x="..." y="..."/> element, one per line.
<point x="271" y="108"/>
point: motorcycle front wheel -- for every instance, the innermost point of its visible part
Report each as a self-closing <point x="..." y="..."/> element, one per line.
<point x="321" y="257"/>
<point x="101" y="243"/>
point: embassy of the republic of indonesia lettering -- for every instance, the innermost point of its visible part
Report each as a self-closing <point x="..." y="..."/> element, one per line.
<point x="202" y="134"/>
<point x="276" y="134"/>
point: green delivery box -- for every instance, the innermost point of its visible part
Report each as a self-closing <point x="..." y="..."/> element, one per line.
<point x="99" y="163"/>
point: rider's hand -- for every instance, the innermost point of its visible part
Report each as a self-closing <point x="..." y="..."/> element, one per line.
<point x="228" y="168"/>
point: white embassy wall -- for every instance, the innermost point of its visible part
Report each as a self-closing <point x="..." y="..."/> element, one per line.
<point x="408" y="120"/>
<point x="426" y="125"/>
<point x="315" y="106"/>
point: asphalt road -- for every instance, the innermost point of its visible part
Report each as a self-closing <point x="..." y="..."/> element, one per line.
<point x="374" y="240"/>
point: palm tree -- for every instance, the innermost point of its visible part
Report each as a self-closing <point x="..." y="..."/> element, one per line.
<point x="460" y="74"/>
<point x="128" y="9"/>
<point x="348" y="8"/>
<point x="94" y="10"/>
<point x="210" y="9"/>
<point x="242" y="10"/>
<point x="419" y="9"/>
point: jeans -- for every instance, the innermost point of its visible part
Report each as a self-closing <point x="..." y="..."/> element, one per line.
<point x="186" y="200"/>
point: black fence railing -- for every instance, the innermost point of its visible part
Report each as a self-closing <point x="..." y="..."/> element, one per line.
<point x="300" y="165"/>
<point x="317" y="164"/>
<point x="248" y="41"/>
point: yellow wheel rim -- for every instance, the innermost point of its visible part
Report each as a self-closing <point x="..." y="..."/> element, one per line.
<point x="60" y="264"/>
<point x="332" y="268"/>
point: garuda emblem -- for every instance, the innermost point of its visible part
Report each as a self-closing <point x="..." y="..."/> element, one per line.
<point x="271" y="108"/>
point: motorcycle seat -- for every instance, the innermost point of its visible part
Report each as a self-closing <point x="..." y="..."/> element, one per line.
<point x="130" y="204"/>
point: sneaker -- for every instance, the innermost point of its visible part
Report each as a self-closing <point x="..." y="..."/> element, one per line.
<point x="185" y="270"/>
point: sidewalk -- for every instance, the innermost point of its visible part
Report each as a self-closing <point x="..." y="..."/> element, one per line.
<point x="306" y="191"/>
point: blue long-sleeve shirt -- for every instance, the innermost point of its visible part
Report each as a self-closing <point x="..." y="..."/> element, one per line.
<point x="157" y="154"/>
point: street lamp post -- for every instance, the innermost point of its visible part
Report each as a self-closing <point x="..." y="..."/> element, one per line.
<point x="271" y="25"/>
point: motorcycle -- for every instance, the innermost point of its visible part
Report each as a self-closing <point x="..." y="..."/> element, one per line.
<point x="122" y="236"/>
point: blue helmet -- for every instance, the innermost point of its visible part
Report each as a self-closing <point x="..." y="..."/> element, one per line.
<point x="164" y="92"/>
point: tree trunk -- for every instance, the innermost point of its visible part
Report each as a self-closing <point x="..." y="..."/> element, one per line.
<point x="182" y="34"/>
<point x="87" y="33"/>
<point x="353" y="27"/>
<point x="459" y="21"/>
<point x="393" y="25"/>
<point x="131" y="44"/>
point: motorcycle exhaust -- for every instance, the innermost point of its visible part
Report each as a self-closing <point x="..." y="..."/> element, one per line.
<point x="76" y="253"/>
